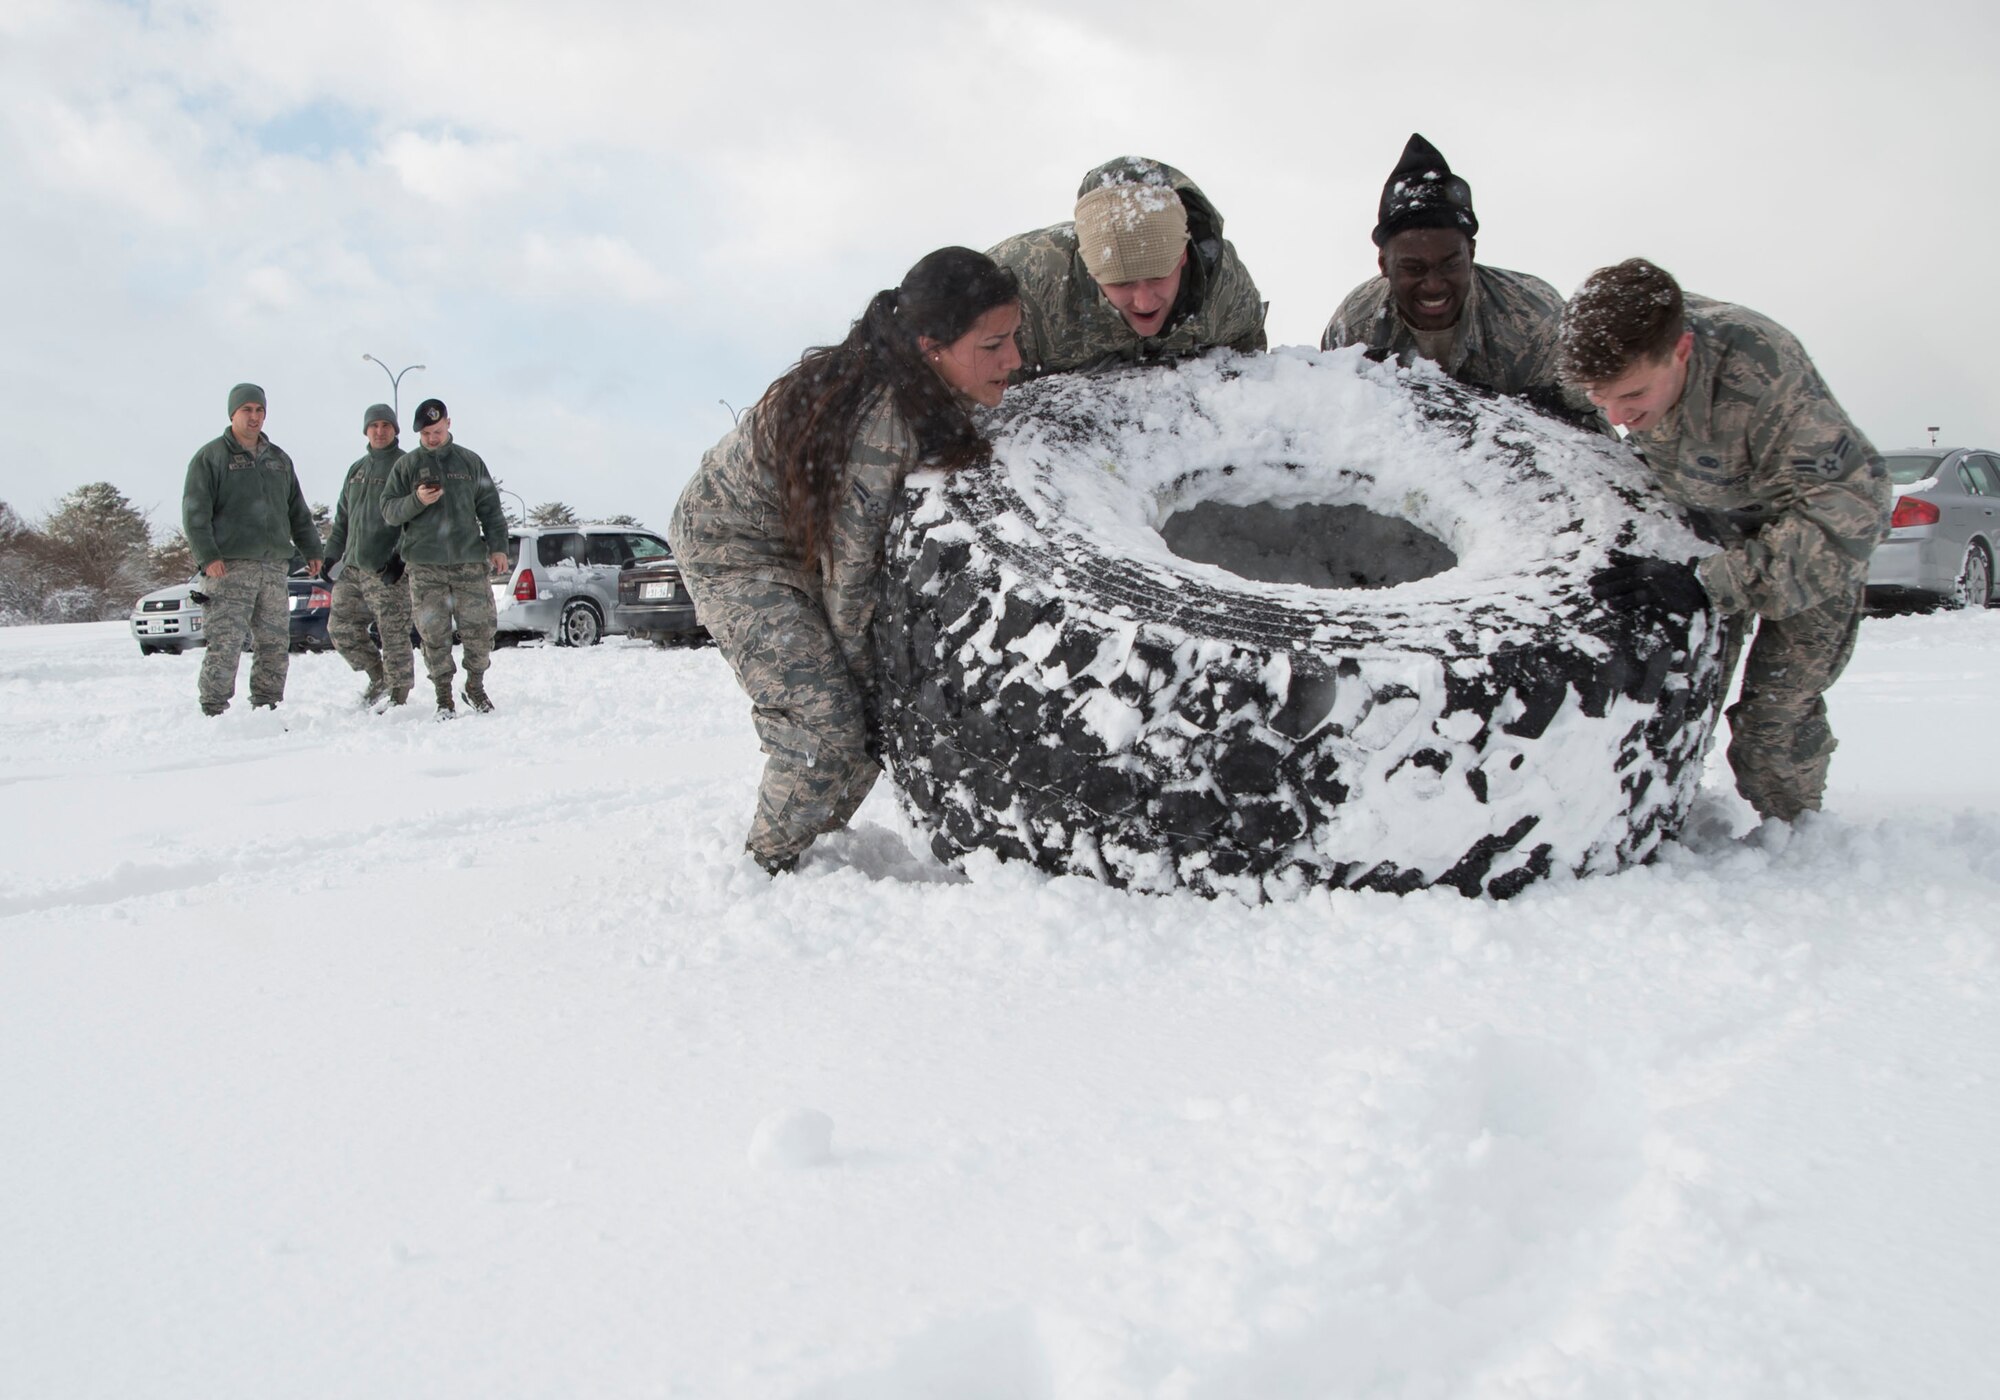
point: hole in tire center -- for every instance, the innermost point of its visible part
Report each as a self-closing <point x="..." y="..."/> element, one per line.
<point x="1319" y="546"/>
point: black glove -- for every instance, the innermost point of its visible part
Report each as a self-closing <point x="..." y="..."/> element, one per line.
<point x="392" y="572"/>
<point x="1629" y="584"/>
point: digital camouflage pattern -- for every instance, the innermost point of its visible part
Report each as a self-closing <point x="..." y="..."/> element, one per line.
<point x="250" y="599"/>
<point x="1773" y="470"/>
<point x="796" y="635"/>
<point x="362" y="595"/>
<point x="810" y="717"/>
<point x="245" y="504"/>
<point x="1769" y="465"/>
<point x="1781" y="743"/>
<point x="464" y="526"/>
<point x="1505" y="339"/>
<point x="1066" y="324"/>
<point x="359" y="534"/>
<point x="442" y="595"/>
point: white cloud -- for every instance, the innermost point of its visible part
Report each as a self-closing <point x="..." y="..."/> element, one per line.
<point x="594" y="267"/>
<point x="447" y="171"/>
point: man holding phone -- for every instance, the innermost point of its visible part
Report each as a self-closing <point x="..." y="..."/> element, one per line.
<point x="452" y="533"/>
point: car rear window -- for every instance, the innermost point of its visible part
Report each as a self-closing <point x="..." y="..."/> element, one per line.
<point x="1907" y="471"/>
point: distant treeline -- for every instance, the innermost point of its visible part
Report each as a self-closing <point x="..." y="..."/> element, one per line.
<point x="87" y="560"/>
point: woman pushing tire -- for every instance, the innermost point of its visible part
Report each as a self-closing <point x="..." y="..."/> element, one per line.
<point x="779" y="534"/>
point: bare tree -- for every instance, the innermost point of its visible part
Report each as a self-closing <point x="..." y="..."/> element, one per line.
<point x="22" y="586"/>
<point x="96" y="547"/>
<point x="170" y="559"/>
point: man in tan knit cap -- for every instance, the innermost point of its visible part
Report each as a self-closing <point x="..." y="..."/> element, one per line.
<point x="1143" y="274"/>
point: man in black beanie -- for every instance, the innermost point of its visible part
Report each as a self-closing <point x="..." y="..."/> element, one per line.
<point x="1484" y="326"/>
<point x="452" y="535"/>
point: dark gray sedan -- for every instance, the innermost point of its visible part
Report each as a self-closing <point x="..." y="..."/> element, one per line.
<point x="1945" y="533"/>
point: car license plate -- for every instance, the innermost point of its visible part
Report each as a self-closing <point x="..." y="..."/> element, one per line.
<point x="652" y="592"/>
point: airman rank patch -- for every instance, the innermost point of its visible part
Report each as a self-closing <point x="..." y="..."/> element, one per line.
<point x="1827" y="467"/>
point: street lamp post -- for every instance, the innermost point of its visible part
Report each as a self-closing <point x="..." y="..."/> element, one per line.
<point x="395" y="384"/>
<point x="517" y="496"/>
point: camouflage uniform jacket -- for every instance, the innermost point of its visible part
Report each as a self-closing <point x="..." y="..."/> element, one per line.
<point x="1507" y="330"/>
<point x="239" y="504"/>
<point x="1066" y="323"/>
<point x="464" y="526"/>
<point x="1770" y="465"/>
<point x="730" y="520"/>
<point x="358" y="526"/>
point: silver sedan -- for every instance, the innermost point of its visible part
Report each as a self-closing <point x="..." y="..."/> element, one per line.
<point x="1945" y="533"/>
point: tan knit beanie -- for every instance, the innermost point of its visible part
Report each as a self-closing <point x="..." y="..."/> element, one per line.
<point x="1127" y="233"/>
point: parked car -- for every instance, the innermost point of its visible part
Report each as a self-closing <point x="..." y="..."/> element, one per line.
<point x="562" y="580"/>
<point x="1945" y="533"/>
<point x="312" y="606"/>
<point x="654" y="603"/>
<point x="170" y="619"/>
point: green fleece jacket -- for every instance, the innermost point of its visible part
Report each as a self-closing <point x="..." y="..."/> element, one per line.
<point x="241" y="504"/>
<point x="463" y="527"/>
<point x="359" y="531"/>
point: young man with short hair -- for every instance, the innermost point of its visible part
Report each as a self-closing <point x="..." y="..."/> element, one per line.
<point x="1734" y="423"/>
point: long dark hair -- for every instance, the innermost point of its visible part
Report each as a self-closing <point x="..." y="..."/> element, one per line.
<point x="806" y="421"/>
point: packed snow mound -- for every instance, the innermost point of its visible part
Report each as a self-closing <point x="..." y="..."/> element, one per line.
<point x="790" y="1139"/>
<point x="1255" y="624"/>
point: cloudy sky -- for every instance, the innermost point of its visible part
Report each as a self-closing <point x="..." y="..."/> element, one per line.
<point x="597" y="223"/>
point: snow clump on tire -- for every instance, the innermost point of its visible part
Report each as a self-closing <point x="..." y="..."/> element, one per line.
<point x="1255" y="624"/>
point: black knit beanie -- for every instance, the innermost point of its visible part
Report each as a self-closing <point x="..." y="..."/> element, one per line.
<point x="1423" y="193"/>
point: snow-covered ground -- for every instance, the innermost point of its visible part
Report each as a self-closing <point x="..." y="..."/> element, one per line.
<point x="377" y="1057"/>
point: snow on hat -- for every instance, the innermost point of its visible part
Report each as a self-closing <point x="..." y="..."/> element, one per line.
<point x="1128" y="232"/>
<point x="242" y="394"/>
<point x="378" y="413"/>
<point x="1423" y="193"/>
<point x="428" y="412"/>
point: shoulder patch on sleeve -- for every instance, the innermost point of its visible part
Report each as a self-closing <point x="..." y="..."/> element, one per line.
<point x="1825" y="467"/>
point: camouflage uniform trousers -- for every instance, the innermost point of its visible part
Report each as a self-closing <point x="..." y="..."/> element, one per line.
<point x="808" y="713"/>
<point x="1780" y="744"/>
<point x="359" y="596"/>
<point x="440" y="592"/>
<point x="250" y="599"/>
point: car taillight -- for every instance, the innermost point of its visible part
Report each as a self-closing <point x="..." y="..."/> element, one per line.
<point x="1913" y="510"/>
<point x="524" y="587"/>
<point x="320" y="598"/>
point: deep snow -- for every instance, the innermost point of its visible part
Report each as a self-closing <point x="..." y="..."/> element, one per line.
<point x="373" y="1056"/>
